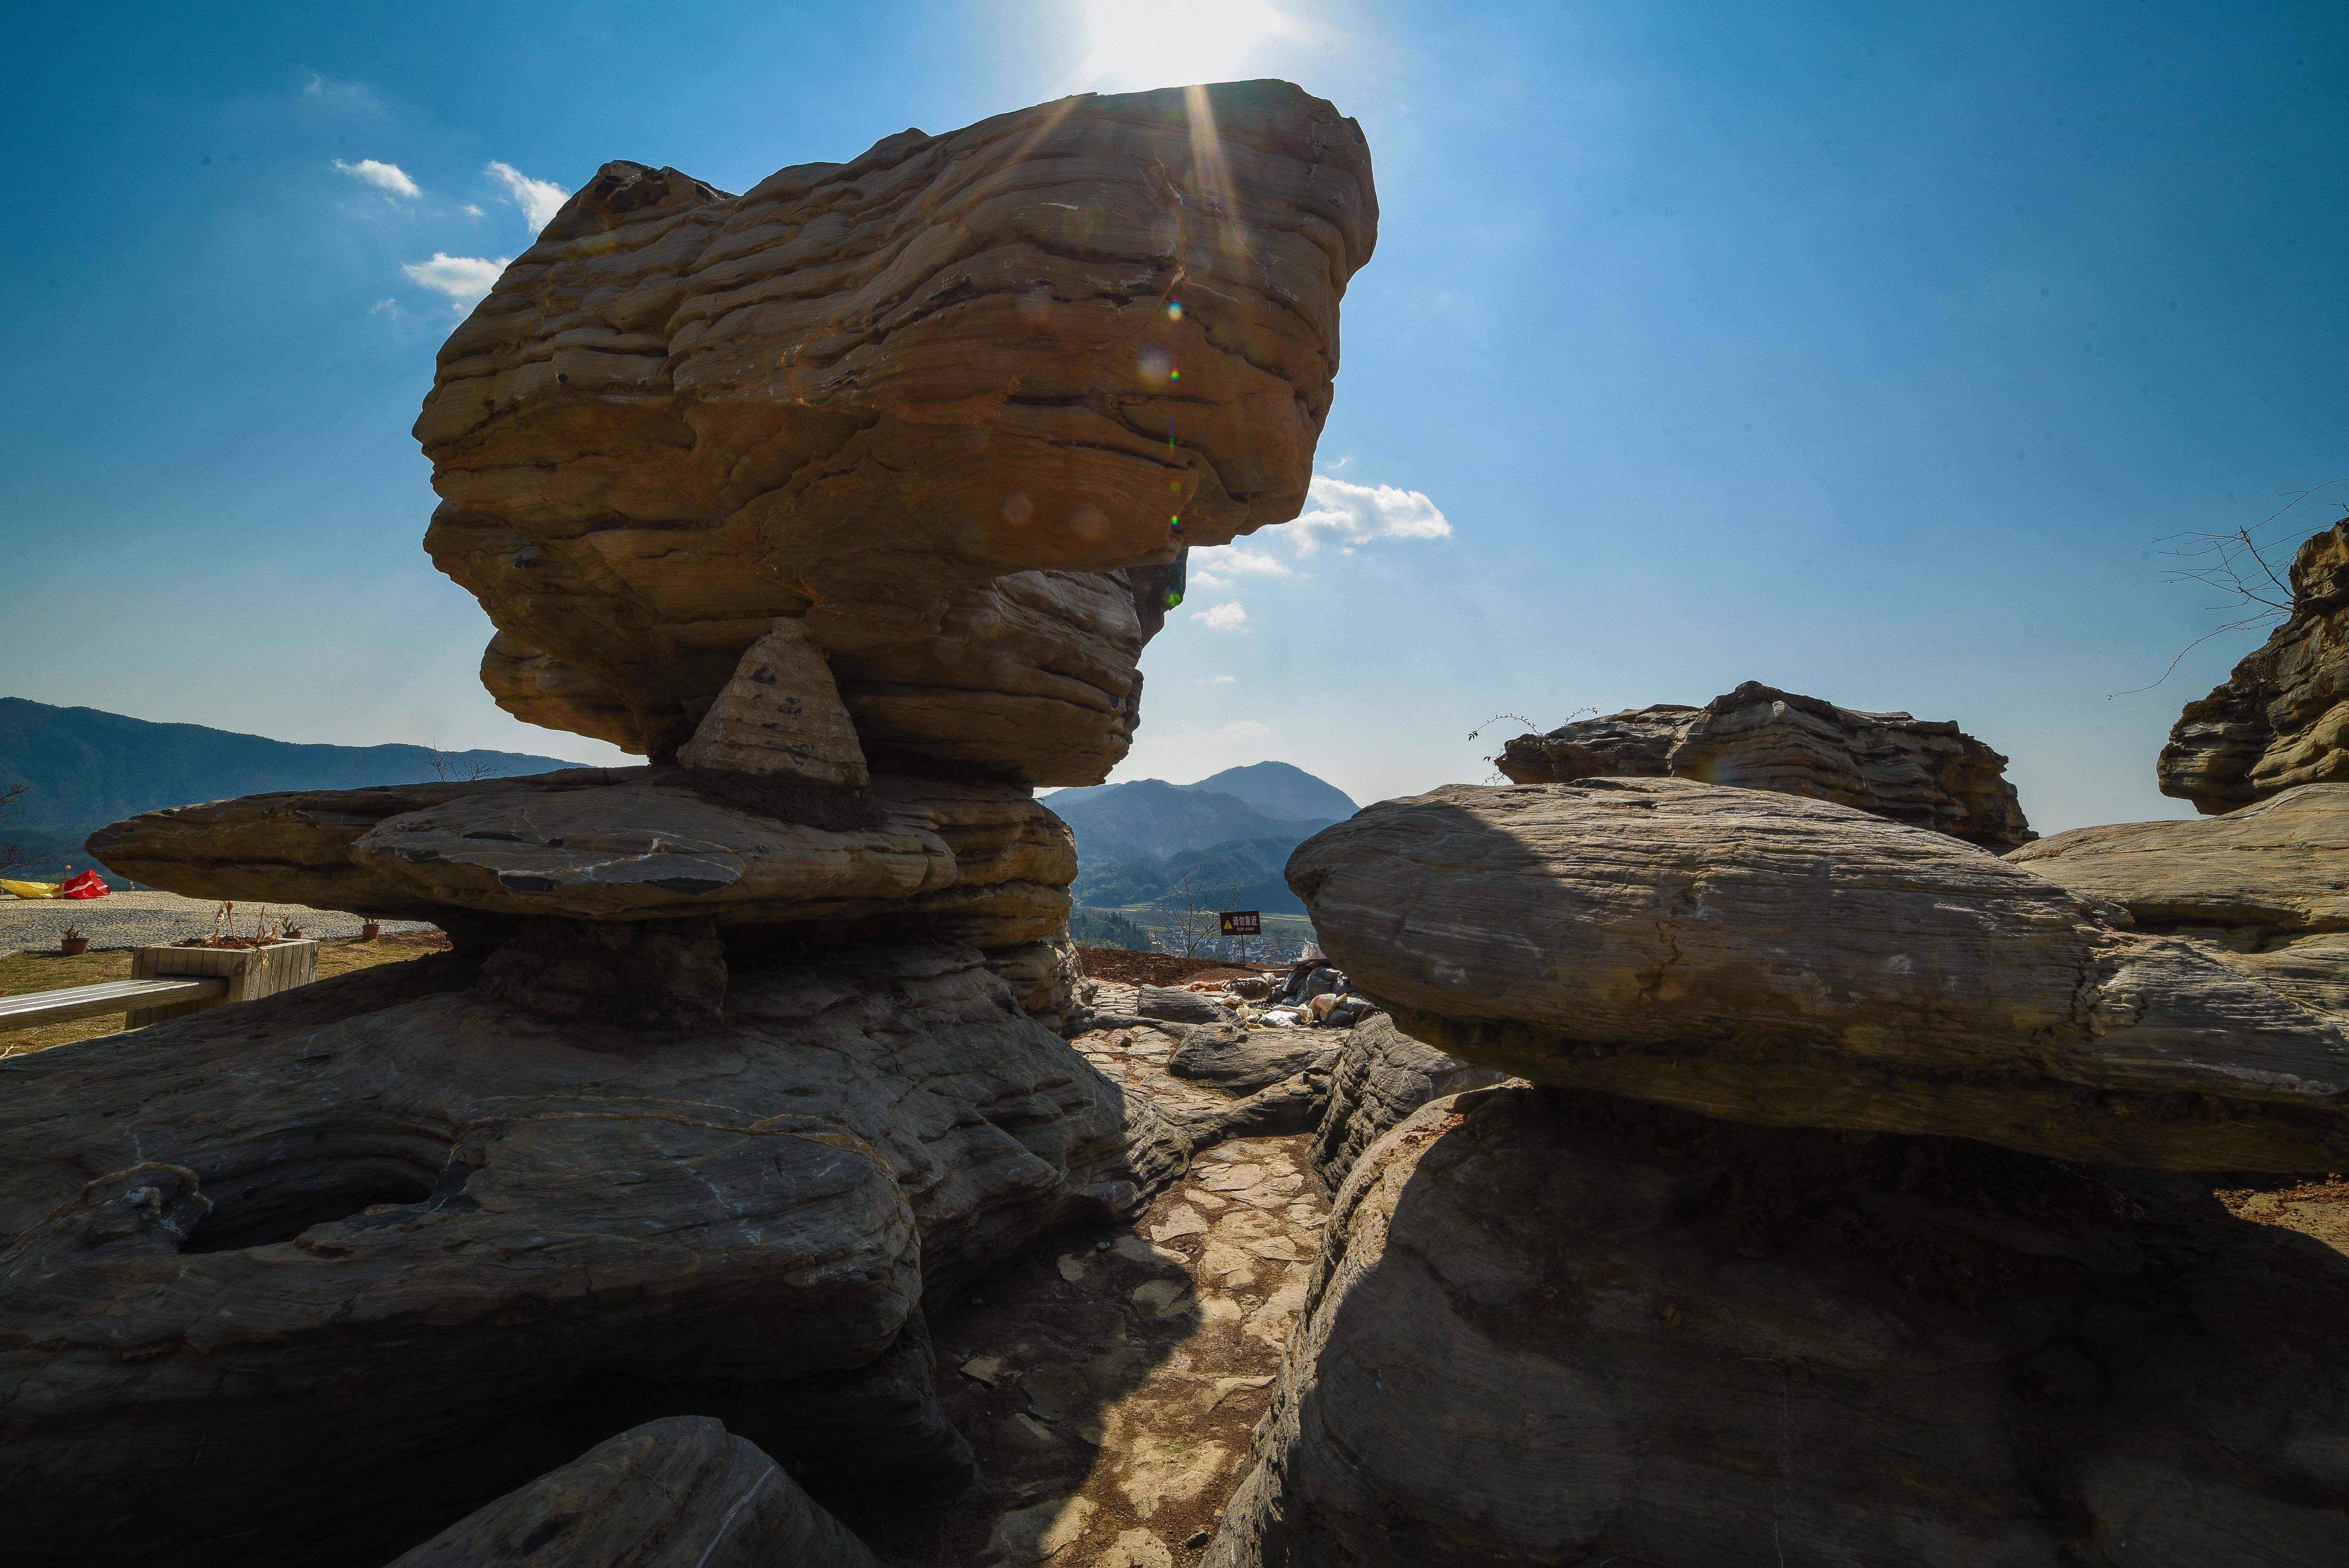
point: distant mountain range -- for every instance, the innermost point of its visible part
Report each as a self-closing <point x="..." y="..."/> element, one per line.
<point x="1226" y="836"/>
<point x="84" y="768"/>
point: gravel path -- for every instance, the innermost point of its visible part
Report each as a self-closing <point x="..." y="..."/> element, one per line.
<point x="152" y="919"/>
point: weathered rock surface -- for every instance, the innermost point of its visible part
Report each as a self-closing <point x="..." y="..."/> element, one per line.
<point x="2281" y="718"/>
<point x="1772" y="959"/>
<point x="1381" y="1076"/>
<point x="2264" y="889"/>
<point x="1242" y="1061"/>
<point x="984" y="863"/>
<point x="1925" y="773"/>
<point x="781" y="715"/>
<point x="323" y="1273"/>
<point x="1552" y="1327"/>
<point x="1177" y="1005"/>
<point x="681" y="1492"/>
<point x="861" y="391"/>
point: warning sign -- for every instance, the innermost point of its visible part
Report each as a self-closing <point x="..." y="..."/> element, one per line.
<point x="1243" y="922"/>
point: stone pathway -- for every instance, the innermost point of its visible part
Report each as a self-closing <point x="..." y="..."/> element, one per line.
<point x="1111" y="1383"/>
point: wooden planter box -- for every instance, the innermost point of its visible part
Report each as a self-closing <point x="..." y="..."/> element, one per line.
<point x="251" y="972"/>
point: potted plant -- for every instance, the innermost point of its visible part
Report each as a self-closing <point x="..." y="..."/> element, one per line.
<point x="370" y="930"/>
<point x="71" y="943"/>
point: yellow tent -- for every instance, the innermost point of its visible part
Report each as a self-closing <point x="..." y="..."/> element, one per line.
<point x="28" y="890"/>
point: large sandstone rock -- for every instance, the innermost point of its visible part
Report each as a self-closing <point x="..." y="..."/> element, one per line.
<point x="1552" y="1327"/>
<point x="984" y="863"/>
<point x="681" y="1492"/>
<point x="861" y="392"/>
<point x="2280" y="719"/>
<point x="781" y="715"/>
<point x="304" y="1279"/>
<point x="1767" y="958"/>
<point x="2264" y="889"/>
<point x="1925" y="773"/>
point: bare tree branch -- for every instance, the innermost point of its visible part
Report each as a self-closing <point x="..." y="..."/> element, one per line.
<point x="2238" y="564"/>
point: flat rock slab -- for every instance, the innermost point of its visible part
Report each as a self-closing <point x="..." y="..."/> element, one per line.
<point x="1552" y="1327"/>
<point x="2281" y="864"/>
<point x="682" y="1492"/>
<point x="1767" y="958"/>
<point x="323" y="1282"/>
<point x="1242" y="1061"/>
<point x="979" y="863"/>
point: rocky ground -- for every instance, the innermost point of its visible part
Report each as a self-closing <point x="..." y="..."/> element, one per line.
<point x="1110" y="1382"/>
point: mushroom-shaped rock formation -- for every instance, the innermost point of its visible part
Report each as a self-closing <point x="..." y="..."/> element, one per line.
<point x="2264" y="889"/>
<point x="2281" y="719"/>
<point x="1924" y="772"/>
<point x="681" y="1492"/>
<point x="1762" y="957"/>
<point x="861" y="393"/>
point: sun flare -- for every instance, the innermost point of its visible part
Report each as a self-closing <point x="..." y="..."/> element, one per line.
<point x="1131" y="46"/>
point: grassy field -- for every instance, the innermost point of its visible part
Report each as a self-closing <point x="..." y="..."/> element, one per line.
<point x="48" y="971"/>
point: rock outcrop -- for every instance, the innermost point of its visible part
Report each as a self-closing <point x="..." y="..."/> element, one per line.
<point x="781" y="717"/>
<point x="1757" y="956"/>
<point x="2263" y="889"/>
<point x="1925" y="773"/>
<point x="681" y="1492"/>
<point x="1560" y="1327"/>
<point x="860" y="394"/>
<point x="316" y="1280"/>
<point x="2281" y="718"/>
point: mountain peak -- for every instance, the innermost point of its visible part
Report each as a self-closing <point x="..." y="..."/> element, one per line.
<point x="1281" y="789"/>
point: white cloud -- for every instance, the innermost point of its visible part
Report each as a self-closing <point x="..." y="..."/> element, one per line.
<point x="464" y="279"/>
<point x="1223" y="680"/>
<point x="540" y="199"/>
<point x="1219" y="568"/>
<point x="472" y="209"/>
<point x="1223" y="617"/>
<point x="1241" y="729"/>
<point x="1358" y="512"/>
<point x="386" y="177"/>
<point x="390" y="307"/>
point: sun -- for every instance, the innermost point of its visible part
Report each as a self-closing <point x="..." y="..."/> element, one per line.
<point x="1131" y="46"/>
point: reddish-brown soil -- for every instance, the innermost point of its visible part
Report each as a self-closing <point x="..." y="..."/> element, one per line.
<point x="1134" y="968"/>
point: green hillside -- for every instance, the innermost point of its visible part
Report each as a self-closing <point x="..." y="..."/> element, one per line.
<point x="83" y="768"/>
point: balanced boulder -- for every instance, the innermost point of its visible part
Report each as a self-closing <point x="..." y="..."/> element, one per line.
<point x="1755" y="955"/>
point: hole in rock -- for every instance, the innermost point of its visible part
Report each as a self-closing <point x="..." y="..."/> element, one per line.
<point x="261" y="1208"/>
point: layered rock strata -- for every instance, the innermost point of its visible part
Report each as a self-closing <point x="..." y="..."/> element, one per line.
<point x="1762" y="957"/>
<point x="1380" y="1076"/>
<point x="681" y="1492"/>
<point x="1925" y="773"/>
<point x="981" y="863"/>
<point x="781" y="717"/>
<point x="860" y="394"/>
<point x="1560" y="1327"/>
<point x="324" y="1270"/>
<point x="2280" y="719"/>
<point x="2263" y="889"/>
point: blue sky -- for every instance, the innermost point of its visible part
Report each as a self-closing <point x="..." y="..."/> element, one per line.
<point x="1865" y="351"/>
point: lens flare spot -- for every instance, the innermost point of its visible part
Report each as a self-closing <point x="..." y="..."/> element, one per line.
<point x="1174" y="310"/>
<point x="1036" y="305"/>
<point x="1174" y="375"/>
<point x="1156" y="363"/>
<point x="1087" y="523"/>
<point x="1017" y="507"/>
